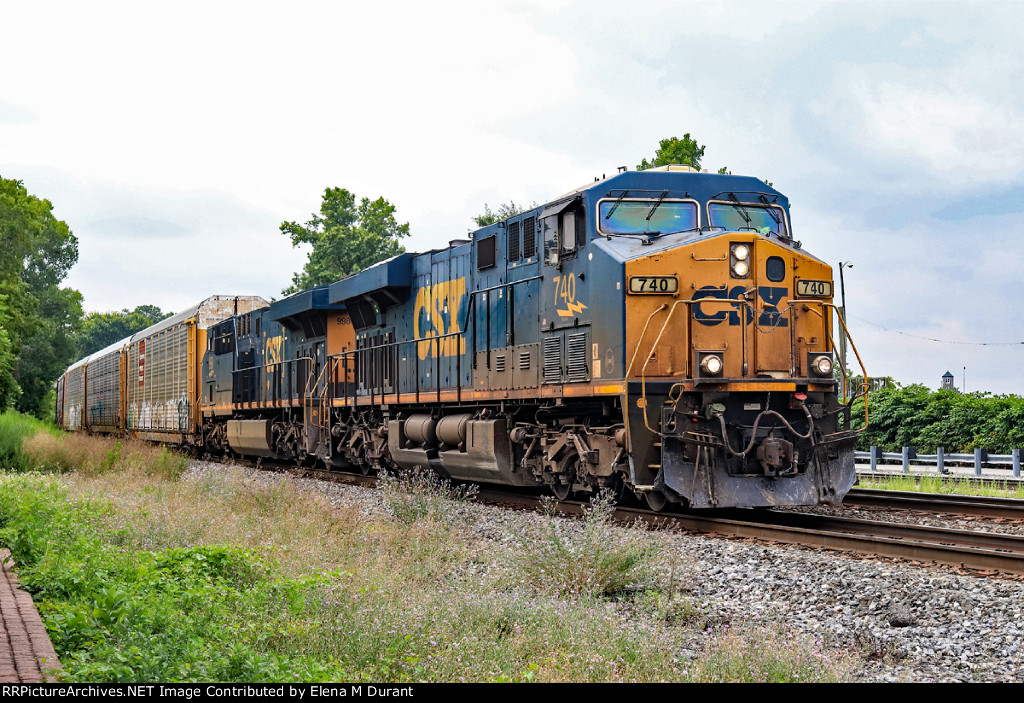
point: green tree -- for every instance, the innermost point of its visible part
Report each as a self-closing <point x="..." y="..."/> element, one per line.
<point x="345" y="237"/>
<point x="101" y="329"/>
<point x="47" y="351"/>
<point x="673" y="150"/>
<point x="504" y="212"/>
<point x="915" y="416"/>
<point x="9" y="389"/>
<point x="684" y="151"/>
<point x="40" y="319"/>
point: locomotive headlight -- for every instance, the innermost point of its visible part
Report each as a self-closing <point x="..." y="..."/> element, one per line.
<point x="822" y="365"/>
<point x="711" y="365"/>
<point x="739" y="260"/>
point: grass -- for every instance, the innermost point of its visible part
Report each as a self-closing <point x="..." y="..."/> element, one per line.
<point x="944" y="485"/>
<point x="14" y="429"/>
<point x="143" y="572"/>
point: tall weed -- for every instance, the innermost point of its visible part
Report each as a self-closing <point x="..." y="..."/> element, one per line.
<point x="94" y="455"/>
<point x="768" y="654"/>
<point x="594" y="558"/>
<point x="416" y="495"/>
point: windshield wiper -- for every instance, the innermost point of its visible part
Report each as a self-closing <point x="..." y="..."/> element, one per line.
<point x="664" y="194"/>
<point x="617" y="202"/>
<point x="743" y="210"/>
<point x="771" y="210"/>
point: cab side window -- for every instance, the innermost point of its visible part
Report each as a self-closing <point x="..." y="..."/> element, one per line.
<point x="572" y="231"/>
<point x="567" y="234"/>
<point x="564" y="232"/>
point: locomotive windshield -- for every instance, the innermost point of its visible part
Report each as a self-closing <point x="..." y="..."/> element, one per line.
<point x="647" y="216"/>
<point x="743" y="216"/>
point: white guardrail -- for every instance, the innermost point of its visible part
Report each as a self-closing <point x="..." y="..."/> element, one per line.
<point x="979" y="459"/>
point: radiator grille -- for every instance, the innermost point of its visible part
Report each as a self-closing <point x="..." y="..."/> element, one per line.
<point x="553" y="360"/>
<point x="577" y="361"/>
<point x="513" y="241"/>
<point x="529" y="238"/>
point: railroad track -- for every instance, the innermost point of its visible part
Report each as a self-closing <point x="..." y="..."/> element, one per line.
<point x="985" y="552"/>
<point x="975" y="506"/>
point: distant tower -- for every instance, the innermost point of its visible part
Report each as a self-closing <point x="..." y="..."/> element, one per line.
<point x="947" y="381"/>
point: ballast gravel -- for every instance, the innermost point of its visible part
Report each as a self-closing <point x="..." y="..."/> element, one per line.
<point x="905" y="622"/>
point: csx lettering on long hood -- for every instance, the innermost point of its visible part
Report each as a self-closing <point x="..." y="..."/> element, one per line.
<point x="437" y="312"/>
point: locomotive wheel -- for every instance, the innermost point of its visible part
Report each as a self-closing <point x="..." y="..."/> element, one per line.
<point x="656" y="501"/>
<point x="624" y="495"/>
<point x="561" y="490"/>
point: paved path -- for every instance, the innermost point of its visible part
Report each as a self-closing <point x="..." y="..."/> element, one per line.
<point x="26" y="654"/>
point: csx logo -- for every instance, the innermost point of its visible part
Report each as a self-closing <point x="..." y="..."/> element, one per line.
<point x="437" y="314"/>
<point x="273" y="352"/>
<point x="717" y="313"/>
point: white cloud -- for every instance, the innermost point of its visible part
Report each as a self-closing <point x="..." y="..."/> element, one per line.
<point x="203" y="125"/>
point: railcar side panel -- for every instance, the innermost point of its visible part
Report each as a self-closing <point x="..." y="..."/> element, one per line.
<point x="74" y="397"/>
<point x="103" y="390"/>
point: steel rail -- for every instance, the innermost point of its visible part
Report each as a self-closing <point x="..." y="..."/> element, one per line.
<point x="979" y="506"/>
<point x="981" y="551"/>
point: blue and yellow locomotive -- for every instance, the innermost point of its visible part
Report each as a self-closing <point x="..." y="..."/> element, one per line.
<point x="659" y="332"/>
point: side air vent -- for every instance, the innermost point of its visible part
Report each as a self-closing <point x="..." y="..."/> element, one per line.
<point x="553" y="360"/>
<point x="524" y="361"/>
<point x="529" y="238"/>
<point x="577" y="361"/>
<point x="499" y="363"/>
<point x="513" y="241"/>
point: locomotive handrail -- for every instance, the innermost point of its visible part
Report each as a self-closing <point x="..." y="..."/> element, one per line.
<point x="643" y="369"/>
<point x="354" y="354"/>
<point x="864" y="372"/>
<point x="267" y="366"/>
<point x="625" y="388"/>
<point x="510" y="327"/>
<point x="790" y="309"/>
<point x="435" y="342"/>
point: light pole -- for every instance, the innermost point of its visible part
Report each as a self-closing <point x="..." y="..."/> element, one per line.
<point x="842" y="314"/>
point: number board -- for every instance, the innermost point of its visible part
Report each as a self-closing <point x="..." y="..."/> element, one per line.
<point x="814" y="289"/>
<point x="654" y="285"/>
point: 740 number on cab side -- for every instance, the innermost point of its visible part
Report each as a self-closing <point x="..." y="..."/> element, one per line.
<point x="814" y="289"/>
<point x="653" y="285"/>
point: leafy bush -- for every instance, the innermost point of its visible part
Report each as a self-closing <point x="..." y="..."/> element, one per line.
<point x="170" y="615"/>
<point x="915" y="416"/>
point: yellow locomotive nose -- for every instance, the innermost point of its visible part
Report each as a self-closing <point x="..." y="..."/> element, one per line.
<point x="733" y="308"/>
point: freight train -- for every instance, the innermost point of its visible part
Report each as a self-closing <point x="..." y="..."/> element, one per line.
<point x="658" y="333"/>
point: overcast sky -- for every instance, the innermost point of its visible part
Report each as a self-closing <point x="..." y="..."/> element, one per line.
<point x="175" y="138"/>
